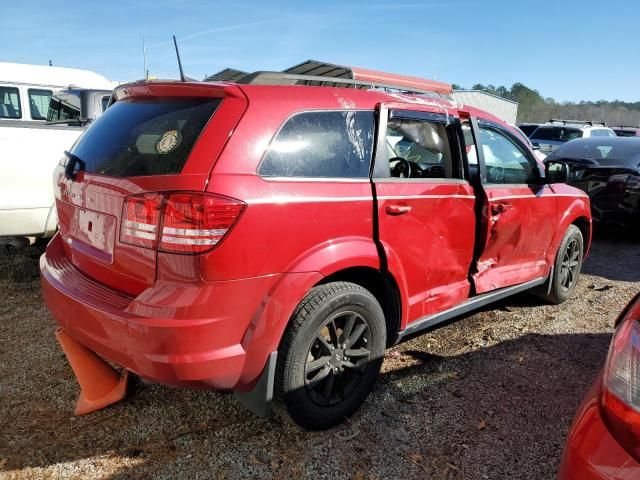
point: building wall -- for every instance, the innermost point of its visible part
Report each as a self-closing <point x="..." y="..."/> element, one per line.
<point x="502" y="108"/>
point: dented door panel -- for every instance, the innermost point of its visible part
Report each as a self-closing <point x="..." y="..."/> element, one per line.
<point x="519" y="225"/>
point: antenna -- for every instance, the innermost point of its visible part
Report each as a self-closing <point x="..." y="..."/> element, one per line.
<point x="144" y="59"/>
<point x="179" y="62"/>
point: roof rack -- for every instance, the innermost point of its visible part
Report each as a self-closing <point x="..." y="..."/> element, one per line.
<point x="578" y="122"/>
<point x="315" y="73"/>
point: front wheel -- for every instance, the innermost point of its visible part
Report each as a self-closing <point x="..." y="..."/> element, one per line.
<point x="567" y="266"/>
<point x="330" y="355"/>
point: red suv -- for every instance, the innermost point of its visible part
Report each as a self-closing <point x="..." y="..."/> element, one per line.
<point x="274" y="235"/>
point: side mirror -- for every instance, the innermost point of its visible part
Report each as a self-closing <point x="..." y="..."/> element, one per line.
<point x="535" y="146"/>
<point x="556" y="172"/>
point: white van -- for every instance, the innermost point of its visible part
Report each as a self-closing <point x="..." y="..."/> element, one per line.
<point x="43" y="110"/>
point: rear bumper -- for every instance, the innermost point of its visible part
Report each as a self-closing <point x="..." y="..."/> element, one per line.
<point x="591" y="452"/>
<point x="166" y="338"/>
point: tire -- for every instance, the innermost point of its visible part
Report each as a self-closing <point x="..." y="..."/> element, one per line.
<point x="567" y="266"/>
<point x="320" y="383"/>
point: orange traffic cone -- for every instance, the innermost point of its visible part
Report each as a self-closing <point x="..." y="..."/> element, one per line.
<point x="100" y="385"/>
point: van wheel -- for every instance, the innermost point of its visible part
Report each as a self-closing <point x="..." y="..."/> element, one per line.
<point x="330" y="355"/>
<point x="567" y="266"/>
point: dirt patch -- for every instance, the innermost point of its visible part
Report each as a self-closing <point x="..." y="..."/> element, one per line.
<point x="490" y="396"/>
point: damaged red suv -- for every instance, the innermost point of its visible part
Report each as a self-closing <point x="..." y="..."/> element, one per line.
<point x="273" y="235"/>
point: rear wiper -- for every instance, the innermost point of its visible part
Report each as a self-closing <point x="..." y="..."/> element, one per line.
<point x="70" y="167"/>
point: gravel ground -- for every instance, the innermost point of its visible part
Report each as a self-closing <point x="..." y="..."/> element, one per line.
<point x="490" y="396"/>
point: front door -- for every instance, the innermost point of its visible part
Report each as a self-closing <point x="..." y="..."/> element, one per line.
<point x="518" y="212"/>
<point x="425" y="208"/>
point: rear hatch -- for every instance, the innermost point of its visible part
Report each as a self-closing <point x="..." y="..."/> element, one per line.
<point x="155" y="139"/>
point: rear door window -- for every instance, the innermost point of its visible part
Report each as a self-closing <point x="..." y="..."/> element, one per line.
<point x="39" y="103"/>
<point x="10" y="103"/>
<point x="144" y="137"/>
<point x="330" y="144"/>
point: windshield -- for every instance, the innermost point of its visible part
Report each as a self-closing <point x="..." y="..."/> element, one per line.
<point x="144" y="137"/>
<point x="557" y="134"/>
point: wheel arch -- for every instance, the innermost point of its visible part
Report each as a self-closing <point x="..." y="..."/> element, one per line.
<point x="584" y="224"/>
<point x="382" y="286"/>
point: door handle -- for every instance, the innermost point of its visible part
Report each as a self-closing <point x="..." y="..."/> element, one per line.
<point x="499" y="207"/>
<point x="397" y="209"/>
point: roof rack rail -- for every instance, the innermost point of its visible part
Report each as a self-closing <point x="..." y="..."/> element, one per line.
<point x="315" y="73"/>
<point x="578" y="122"/>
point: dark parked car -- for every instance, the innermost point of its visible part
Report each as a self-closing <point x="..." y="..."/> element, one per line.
<point x="623" y="131"/>
<point x="608" y="169"/>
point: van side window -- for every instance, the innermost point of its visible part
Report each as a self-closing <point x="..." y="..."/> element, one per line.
<point x="39" y="103"/>
<point x="505" y="161"/>
<point x="333" y="144"/>
<point x="10" y="103"/>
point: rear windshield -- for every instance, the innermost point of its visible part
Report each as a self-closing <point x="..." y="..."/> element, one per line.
<point x="600" y="149"/>
<point x="625" y="133"/>
<point x="528" y="129"/>
<point x="558" y="134"/>
<point x="144" y="137"/>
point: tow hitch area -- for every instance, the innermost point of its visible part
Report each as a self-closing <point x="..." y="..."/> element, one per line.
<point x="100" y="384"/>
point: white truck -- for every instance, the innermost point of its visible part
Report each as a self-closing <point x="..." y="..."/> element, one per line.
<point x="43" y="110"/>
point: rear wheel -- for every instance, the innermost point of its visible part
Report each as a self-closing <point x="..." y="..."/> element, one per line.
<point x="330" y="355"/>
<point x="567" y="266"/>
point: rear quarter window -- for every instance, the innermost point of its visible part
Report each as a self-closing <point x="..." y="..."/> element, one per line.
<point x="144" y="137"/>
<point x="333" y="144"/>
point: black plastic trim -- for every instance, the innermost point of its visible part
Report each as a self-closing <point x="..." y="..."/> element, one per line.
<point x="432" y="321"/>
<point x="259" y="400"/>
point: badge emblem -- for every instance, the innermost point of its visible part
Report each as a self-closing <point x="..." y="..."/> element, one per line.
<point x="168" y="141"/>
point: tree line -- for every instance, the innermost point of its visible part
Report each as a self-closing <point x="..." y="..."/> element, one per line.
<point x="533" y="107"/>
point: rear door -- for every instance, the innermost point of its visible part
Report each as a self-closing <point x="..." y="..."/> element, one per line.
<point x="518" y="216"/>
<point x="424" y="206"/>
<point x="153" y="139"/>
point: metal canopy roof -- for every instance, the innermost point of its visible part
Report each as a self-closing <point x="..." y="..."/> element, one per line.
<point x="226" y="75"/>
<point x="316" y="73"/>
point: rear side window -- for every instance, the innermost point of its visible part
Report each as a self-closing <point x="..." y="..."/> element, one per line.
<point x="322" y="144"/>
<point x="558" y="134"/>
<point x="10" y="103"/>
<point x="39" y="103"/>
<point x="144" y="137"/>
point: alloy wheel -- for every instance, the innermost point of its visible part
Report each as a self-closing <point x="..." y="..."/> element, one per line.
<point x="570" y="264"/>
<point x="337" y="358"/>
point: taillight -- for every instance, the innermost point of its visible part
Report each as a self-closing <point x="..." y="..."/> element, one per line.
<point x="140" y="218"/>
<point x="180" y="222"/>
<point x="196" y="223"/>
<point x="621" y="382"/>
